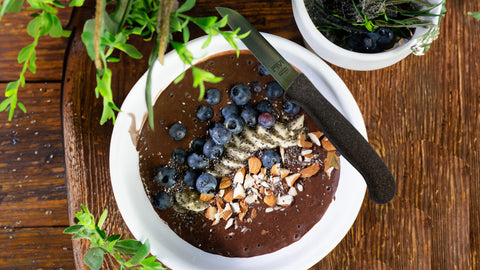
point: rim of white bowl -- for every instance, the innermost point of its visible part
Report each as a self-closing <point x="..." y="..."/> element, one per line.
<point x="144" y="223"/>
<point x="344" y="58"/>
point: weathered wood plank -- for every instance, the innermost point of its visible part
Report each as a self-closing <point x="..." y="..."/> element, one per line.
<point x="32" y="173"/>
<point x="35" y="248"/>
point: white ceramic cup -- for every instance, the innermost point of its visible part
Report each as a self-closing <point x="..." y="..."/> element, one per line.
<point x="341" y="57"/>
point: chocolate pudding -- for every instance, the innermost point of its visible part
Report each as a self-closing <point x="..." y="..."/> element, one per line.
<point x="253" y="209"/>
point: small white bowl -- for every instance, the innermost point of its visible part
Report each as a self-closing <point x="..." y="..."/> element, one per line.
<point x="143" y="221"/>
<point x="341" y="57"/>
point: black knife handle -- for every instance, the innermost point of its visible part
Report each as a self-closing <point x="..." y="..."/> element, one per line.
<point x="345" y="137"/>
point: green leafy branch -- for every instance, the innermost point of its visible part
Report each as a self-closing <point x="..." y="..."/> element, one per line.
<point x="44" y="22"/>
<point x="129" y="253"/>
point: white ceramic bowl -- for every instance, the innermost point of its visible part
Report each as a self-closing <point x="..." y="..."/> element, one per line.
<point x="341" y="57"/>
<point x="174" y="252"/>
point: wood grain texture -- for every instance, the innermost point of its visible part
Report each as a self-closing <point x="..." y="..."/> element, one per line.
<point x="422" y="116"/>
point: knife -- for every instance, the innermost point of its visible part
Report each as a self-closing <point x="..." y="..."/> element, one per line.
<point x="299" y="90"/>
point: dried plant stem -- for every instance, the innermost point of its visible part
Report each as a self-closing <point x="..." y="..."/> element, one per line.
<point x="98" y="26"/>
<point x="163" y="24"/>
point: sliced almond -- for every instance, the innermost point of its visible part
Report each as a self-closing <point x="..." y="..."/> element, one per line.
<point x="310" y="171"/>
<point x="328" y="145"/>
<point x="228" y="196"/>
<point x="239" y="176"/>
<point x="282" y="154"/>
<point x="254" y="165"/>
<point x="309" y="156"/>
<point x="241" y="216"/>
<point x="303" y="142"/>
<point x="291" y="179"/>
<point x="318" y="134"/>
<point x="285" y="200"/>
<point x="292" y="191"/>
<point x="270" y="200"/>
<point x="239" y="192"/>
<point x="251" y="199"/>
<point x="313" y="137"/>
<point x="225" y="183"/>
<point x="218" y="216"/>
<point x="263" y="170"/>
<point x="211" y="212"/>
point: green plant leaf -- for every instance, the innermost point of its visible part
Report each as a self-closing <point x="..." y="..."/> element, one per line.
<point x="11" y="6"/>
<point x="76" y="3"/>
<point x="31" y="64"/>
<point x="22" y="107"/>
<point x="130" y="50"/>
<point x="34" y="26"/>
<point x="128" y="246"/>
<point x="141" y="254"/>
<point x="5" y="103"/>
<point x="25" y="53"/>
<point x="188" y="5"/>
<point x="94" y="258"/>
<point x="182" y="51"/>
<point x="475" y="15"/>
<point x="102" y="218"/>
<point x="56" y="30"/>
<point x="12" y="88"/>
<point x="73" y="229"/>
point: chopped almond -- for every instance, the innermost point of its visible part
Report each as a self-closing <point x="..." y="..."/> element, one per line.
<point x="270" y="200"/>
<point x="220" y="203"/>
<point x="285" y="200"/>
<point x="254" y="165"/>
<point x="313" y="137"/>
<point x="327" y="145"/>
<point x="239" y="176"/>
<point x="303" y="142"/>
<point x="206" y="197"/>
<point x="253" y="214"/>
<point x="228" y="196"/>
<point x="275" y="170"/>
<point x="225" y="183"/>
<point x="291" y="179"/>
<point x="310" y="171"/>
<point x="284" y="172"/>
<point x="239" y="192"/>
<point x="211" y="212"/>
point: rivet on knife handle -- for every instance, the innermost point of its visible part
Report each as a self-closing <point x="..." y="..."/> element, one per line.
<point x="343" y="135"/>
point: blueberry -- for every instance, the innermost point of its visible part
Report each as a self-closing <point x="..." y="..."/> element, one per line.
<point x="273" y="90"/>
<point x="212" y="96"/>
<point x="220" y="134"/>
<point x="385" y="37"/>
<point x="204" y="113"/>
<point x="266" y="120"/>
<point x="249" y="115"/>
<point x="234" y="123"/>
<point x="264" y="106"/>
<point x="179" y="156"/>
<point x="269" y="158"/>
<point x="197" y="145"/>
<point x="263" y="71"/>
<point x="165" y="176"/>
<point x="230" y="109"/>
<point x="361" y="42"/>
<point x="255" y="86"/>
<point x="212" y="150"/>
<point x="197" y="161"/>
<point x="161" y="200"/>
<point x="206" y="183"/>
<point x="177" y="131"/>
<point x="290" y="107"/>
<point x="190" y="178"/>
<point x="240" y="94"/>
<point x="370" y="42"/>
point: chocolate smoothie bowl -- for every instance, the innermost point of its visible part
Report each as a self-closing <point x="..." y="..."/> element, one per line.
<point x="241" y="179"/>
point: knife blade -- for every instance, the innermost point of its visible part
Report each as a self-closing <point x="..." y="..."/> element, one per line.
<point x="300" y="90"/>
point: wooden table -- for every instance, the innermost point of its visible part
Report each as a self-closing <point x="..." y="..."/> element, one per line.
<point x="422" y="116"/>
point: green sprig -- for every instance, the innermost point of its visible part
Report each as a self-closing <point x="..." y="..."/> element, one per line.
<point x="129" y="253"/>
